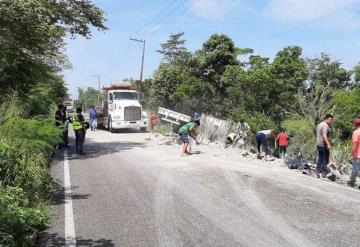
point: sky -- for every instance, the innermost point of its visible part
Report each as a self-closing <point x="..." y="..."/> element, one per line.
<point x="266" y="26"/>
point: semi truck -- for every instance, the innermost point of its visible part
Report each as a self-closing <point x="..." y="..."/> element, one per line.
<point x="69" y="105"/>
<point x="121" y="109"/>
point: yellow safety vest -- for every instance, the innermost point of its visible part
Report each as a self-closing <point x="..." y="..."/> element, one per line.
<point x="76" y="123"/>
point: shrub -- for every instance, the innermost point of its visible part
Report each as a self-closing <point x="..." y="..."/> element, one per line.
<point x="302" y="138"/>
<point x="26" y="148"/>
<point x="346" y="109"/>
<point x="256" y="120"/>
<point x="341" y="154"/>
<point x="163" y="127"/>
<point x="19" y="222"/>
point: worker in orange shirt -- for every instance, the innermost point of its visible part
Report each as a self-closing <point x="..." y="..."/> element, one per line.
<point x="355" y="153"/>
<point x="153" y="121"/>
<point x="283" y="141"/>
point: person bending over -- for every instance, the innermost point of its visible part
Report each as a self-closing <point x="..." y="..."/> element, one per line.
<point x="262" y="137"/>
<point x="184" y="132"/>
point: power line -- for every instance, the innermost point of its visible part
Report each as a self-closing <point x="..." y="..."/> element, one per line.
<point x="157" y="16"/>
<point x="163" y="19"/>
<point x="184" y="11"/>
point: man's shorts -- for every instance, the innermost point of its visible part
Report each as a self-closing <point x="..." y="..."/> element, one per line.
<point x="184" y="137"/>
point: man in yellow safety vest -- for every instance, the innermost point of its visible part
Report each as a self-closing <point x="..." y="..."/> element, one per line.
<point x="79" y="126"/>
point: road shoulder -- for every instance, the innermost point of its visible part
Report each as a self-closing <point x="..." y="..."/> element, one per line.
<point x="54" y="235"/>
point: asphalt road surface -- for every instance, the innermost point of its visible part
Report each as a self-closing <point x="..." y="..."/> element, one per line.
<point x="131" y="192"/>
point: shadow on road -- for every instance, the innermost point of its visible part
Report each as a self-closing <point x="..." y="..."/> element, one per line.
<point x="53" y="240"/>
<point x="127" y="131"/>
<point x="94" y="149"/>
<point x="57" y="195"/>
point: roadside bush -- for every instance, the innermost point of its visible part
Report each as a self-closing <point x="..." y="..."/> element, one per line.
<point x="19" y="221"/>
<point x="302" y="138"/>
<point x="346" y="109"/>
<point x="163" y="127"/>
<point x="256" y="120"/>
<point x="26" y="148"/>
<point x="341" y="155"/>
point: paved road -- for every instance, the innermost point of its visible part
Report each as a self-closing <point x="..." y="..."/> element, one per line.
<point x="132" y="192"/>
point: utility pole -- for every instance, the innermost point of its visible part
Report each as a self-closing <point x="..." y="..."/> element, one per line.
<point x="143" y="55"/>
<point x="85" y="92"/>
<point x="98" y="76"/>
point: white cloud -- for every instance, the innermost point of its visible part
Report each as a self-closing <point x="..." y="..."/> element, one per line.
<point x="312" y="10"/>
<point x="213" y="8"/>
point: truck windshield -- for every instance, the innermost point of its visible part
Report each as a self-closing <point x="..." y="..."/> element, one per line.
<point x="125" y="96"/>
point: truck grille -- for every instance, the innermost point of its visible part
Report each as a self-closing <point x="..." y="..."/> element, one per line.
<point x="132" y="113"/>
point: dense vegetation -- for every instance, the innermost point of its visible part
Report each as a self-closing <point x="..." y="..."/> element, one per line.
<point x="26" y="147"/>
<point x="290" y="91"/>
<point x="31" y="56"/>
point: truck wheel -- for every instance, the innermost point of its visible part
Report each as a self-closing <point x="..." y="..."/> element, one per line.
<point x="110" y="126"/>
<point x="143" y="129"/>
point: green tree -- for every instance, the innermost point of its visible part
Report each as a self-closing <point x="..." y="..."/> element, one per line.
<point x="257" y="62"/>
<point x="252" y="89"/>
<point x="326" y="72"/>
<point x="144" y="87"/>
<point x="193" y="95"/>
<point x="217" y="53"/>
<point x="356" y="72"/>
<point x="346" y="108"/>
<point x="46" y="92"/>
<point x="166" y="79"/>
<point x="31" y="38"/>
<point x="173" y="50"/>
<point x="289" y="74"/>
<point x="325" y="78"/>
<point x="88" y="98"/>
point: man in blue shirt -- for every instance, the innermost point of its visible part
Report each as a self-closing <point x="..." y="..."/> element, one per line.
<point x="93" y="118"/>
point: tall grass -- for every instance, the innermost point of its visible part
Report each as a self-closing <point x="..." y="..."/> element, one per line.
<point x="26" y="147"/>
<point x="341" y="155"/>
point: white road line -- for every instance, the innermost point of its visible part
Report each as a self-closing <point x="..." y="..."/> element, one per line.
<point x="70" y="238"/>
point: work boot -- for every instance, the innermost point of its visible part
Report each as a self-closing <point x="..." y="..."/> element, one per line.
<point x="331" y="177"/>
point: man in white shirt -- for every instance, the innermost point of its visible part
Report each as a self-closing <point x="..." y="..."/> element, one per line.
<point x="262" y="137"/>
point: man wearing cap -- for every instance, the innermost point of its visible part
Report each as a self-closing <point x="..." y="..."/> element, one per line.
<point x="355" y="152"/>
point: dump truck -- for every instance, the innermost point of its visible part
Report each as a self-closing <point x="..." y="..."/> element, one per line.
<point x="121" y="109"/>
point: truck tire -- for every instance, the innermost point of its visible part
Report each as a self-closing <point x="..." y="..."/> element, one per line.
<point x="143" y="129"/>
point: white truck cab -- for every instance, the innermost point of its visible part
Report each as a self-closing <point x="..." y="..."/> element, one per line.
<point x="122" y="109"/>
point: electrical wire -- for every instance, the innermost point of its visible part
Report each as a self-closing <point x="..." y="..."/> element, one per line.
<point x="186" y="10"/>
<point x="157" y="16"/>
